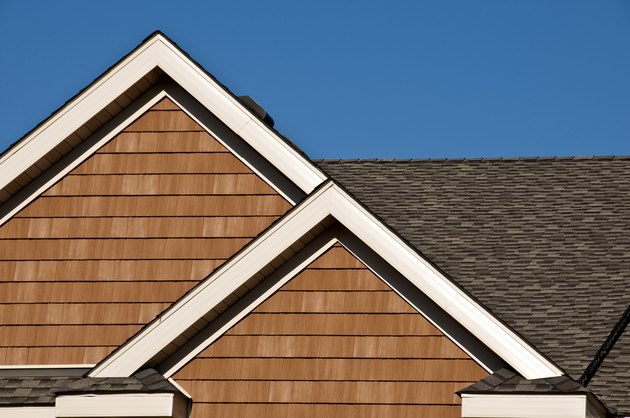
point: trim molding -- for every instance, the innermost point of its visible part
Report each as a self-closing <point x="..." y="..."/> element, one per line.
<point x="245" y="305"/>
<point x="159" y="51"/>
<point x="530" y="406"/>
<point x="121" y="405"/>
<point x="243" y="152"/>
<point x="328" y="201"/>
<point x="334" y="234"/>
<point x="27" y="412"/>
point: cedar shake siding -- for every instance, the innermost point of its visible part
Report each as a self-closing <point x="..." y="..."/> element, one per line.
<point x="122" y="236"/>
<point x="333" y="341"/>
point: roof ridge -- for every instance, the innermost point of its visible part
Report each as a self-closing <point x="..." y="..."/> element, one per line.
<point x="475" y="159"/>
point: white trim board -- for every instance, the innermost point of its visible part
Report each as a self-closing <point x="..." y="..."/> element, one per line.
<point x="158" y="51"/>
<point x="247" y="155"/>
<point x="328" y="201"/>
<point x="27" y="412"/>
<point x="121" y="405"/>
<point x="530" y="406"/>
<point x="334" y="234"/>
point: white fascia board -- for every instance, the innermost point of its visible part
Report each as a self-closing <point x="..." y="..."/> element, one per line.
<point x="328" y="200"/>
<point x="27" y="412"/>
<point x="525" y="406"/>
<point x="159" y="52"/>
<point x="117" y="405"/>
<point x="72" y="116"/>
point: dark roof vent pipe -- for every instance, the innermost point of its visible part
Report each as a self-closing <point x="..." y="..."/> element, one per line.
<point x="257" y="110"/>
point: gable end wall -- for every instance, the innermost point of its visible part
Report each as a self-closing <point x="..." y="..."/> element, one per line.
<point x="112" y="244"/>
<point x="333" y="341"/>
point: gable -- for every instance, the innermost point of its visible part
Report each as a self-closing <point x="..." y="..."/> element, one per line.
<point x="334" y="340"/>
<point x="122" y="236"/>
<point x="115" y="97"/>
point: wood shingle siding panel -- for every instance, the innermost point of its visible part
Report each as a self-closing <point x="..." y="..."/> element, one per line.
<point x="137" y="227"/>
<point x="101" y="206"/>
<point x="183" y="163"/>
<point x="107" y="270"/>
<point x="156" y="142"/>
<point x="340" y="324"/>
<point x="337" y="302"/>
<point x="79" y="313"/>
<point x="333" y="341"/>
<point x="287" y="410"/>
<point x="63" y="335"/>
<point x="161" y="184"/>
<point x="316" y="346"/>
<point x="164" y="121"/>
<point x="99" y="292"/>
<point x="51" y="355"/>
<point x="126" y="233"/>
<point x="287" y="391"/>
<point x="121" y="249"/>
<point x="293" y="369"/>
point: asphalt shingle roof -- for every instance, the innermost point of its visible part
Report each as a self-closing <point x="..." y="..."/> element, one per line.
<point x="35" y="390"/>
<point x="611" y="380"/>
<point x="506" y="380"/>
<point x="543" y="243"/>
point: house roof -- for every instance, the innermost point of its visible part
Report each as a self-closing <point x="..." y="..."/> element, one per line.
<point x="42" y="390"/>
<point x="507" y="381"/>
<point x="611" y="379"/>
<point x="543" y="243"/>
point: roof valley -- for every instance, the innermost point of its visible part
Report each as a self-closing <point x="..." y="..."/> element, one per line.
<point x="605" y="348"/>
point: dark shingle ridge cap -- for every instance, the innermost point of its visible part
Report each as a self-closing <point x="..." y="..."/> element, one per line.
<point x="508" y="381"/>
<point x="606" y="347"/>
<point x="476" y="159"/>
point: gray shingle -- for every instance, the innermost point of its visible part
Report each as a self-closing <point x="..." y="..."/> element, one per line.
<point x="43" y="390"/>
<point x="611" y="380"/>
<point x="544" y="244"/>
<point x="505" y="380"/>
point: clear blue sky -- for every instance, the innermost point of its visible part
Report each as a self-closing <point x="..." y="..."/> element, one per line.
<point x="389" y="79"/>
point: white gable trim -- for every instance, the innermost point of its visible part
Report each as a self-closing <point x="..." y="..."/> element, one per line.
<point x="79" y="154"/>
<point x="121" y="405"/>
<point x="158" y="51"/>
<point x="332" y="235"/>
<point x="530" y="406"/>
<point x="27" y="412"/>
<point x="329" y="200"/>
<point x="141" y="105"/>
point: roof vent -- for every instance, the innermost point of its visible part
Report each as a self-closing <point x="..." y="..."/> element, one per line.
<point x="257" y="110"/>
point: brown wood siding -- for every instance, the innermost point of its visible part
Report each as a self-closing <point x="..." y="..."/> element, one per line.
<point x="122" y="236"/>
<point x="333" y="341"/>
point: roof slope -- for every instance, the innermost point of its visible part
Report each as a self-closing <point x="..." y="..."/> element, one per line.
<point x="507" y="381"/>
<point x="543" y="243"/>
<point x="42" y="390"/>
<point x="611" y="380"/>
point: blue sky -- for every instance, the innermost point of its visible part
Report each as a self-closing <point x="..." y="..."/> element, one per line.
<point x="386" y="79"/>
